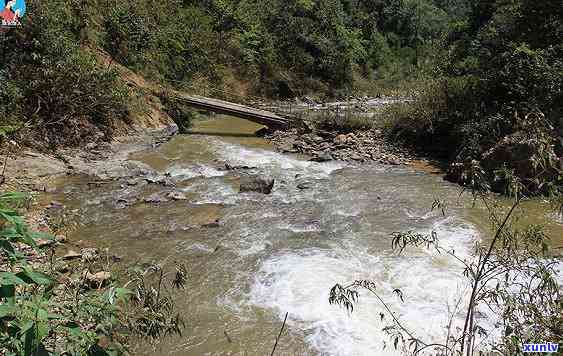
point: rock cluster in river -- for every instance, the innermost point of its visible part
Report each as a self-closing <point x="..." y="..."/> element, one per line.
<point x="358" y="146"/>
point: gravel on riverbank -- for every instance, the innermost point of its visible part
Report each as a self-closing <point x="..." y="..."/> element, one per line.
<point x="358" y="146"/>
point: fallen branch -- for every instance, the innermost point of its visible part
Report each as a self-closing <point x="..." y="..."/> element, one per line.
<point x="279" y="335"/>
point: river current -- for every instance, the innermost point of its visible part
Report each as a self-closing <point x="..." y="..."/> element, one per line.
<point x="281" y="253"/>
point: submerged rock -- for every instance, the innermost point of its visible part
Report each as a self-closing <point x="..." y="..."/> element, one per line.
<point x="304" y="185"/>
<point x="176" y="196"/>
<point x="156" y="198"/>
<point x="256" y="184"/>
<point x="229" y="167"/>
<point x="213" y="224"/>
<point x="55" y="205"/>
<point x="325" y="156"/>
<point x="132" y="182"/>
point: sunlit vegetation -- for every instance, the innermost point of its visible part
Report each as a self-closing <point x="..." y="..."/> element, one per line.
<point x="50" y="306"/>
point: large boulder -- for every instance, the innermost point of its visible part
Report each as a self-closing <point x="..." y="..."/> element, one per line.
<point x="256" y="184"/>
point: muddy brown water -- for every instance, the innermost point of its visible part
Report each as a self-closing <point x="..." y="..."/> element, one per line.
<point x="283" y="252"/>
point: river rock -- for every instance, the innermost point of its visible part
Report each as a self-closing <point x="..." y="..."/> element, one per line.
<point x="324" y="156"/>
<point x="96" y="280"/>
<point x="176" y="196"/>
<point x="356" y="157"/>
<point x="229" y="167"/>
<point x="213" y="224"/>
<point x="351" y="138"/>
<point x="256" y="184"/>
<point x="132" y="182"/>
<point x="304" y="185"/>
<point x="156" y="198"/>
<point x="44" y="243"/>
<point x="89" y="254"/>
<point x="263" y="132"/>
<point x="340" y="140"/>
<point x="55" y="205"/>
<point x="162" y="180"/>
<point x="325" y="146"/>
<point x="38" y="187"/>
<point x="288" y="148"/>
<point x="317" y="139"/>
<point x="72" y="255"/>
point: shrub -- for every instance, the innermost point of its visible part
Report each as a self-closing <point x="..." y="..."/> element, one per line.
<point x="27" y="321"/>
<point x="129" y="35"/>
<point x="182" y="114"/>
<point x="53" y="85"/>
<point x="44" y="312"/>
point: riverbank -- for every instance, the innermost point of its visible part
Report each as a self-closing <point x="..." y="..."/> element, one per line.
<point x="357" y="146"/>
<point x="77" y="283"/>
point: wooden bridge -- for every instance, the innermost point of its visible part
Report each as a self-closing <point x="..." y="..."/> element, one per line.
<point x="262" y="117"/>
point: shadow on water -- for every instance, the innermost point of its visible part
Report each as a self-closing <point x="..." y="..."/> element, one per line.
<point x="221" y="134"/>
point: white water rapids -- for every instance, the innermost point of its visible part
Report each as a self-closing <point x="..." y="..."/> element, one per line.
<point x="278" y="253"/>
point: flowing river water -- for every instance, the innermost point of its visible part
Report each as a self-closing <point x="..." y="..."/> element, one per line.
<point x="278" y="253"/>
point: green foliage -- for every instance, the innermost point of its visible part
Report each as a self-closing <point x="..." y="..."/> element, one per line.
<point x="501" y="77"/>
<point x="182" y="114"/>
<point x="128" y="34"/>
<point x="26" y="317"/>
<point x="53" y="85"/>
<point x="154" y="314"/>
<point x="280" y="47"/>
<point x="40" y="314"/>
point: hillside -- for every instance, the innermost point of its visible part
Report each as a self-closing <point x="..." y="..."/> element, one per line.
<point x="482" y="71"/>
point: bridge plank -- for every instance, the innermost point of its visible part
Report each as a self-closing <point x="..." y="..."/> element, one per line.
<point x="261" y="117"/>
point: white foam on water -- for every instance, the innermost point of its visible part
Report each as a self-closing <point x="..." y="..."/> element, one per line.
<point x="348" y="211"/>
<point x="275" y="162"/>
<point x="213" y="192"/>
<point x="247" y="241"/>
<point x="199" y="247"/>
<point x="556" y="216"/>
<point x="195" y="171"/>
<point x="298" y="282"/>
<point x="299" y="228"/>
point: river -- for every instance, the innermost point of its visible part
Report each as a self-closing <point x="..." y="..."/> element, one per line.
<point x="278" y="253"/>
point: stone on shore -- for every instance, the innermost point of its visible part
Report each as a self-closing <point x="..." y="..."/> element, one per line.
<point x="256" y="184"/>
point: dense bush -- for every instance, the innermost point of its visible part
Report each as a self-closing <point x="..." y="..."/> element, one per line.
<point x="53" y="82"/>
<point x="502" y="79"/>
<point x="182" y="114"/>
<point x="281" y="48"/>
<point x="128" y="35"/>
<point x="52" y="85"/>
